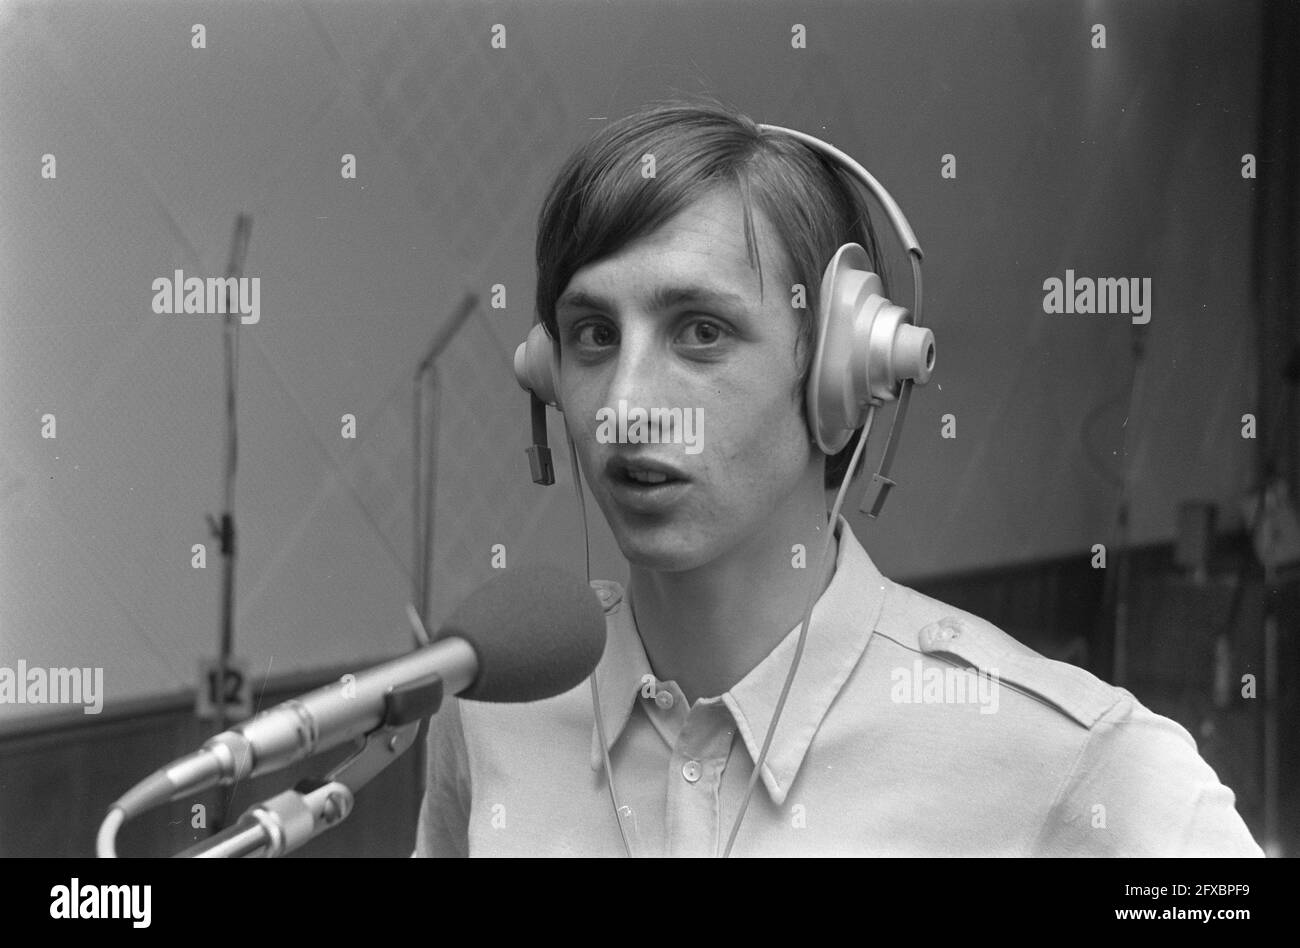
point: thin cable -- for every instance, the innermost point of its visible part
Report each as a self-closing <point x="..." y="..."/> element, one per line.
<point x="609" y="773"/>
<point x="915" y="259"/>
<point x="803" y="629"/>
<point x="881" y="481"/>
<point x="595" y="692"/>
<point x="582" y="501"/>
<point x="106" y="841"/>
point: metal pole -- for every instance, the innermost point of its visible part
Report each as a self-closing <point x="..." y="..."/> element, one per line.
<point x="225" y="529"/>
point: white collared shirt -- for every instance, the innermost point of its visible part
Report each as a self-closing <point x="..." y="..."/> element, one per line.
<point x="912" y="729"/>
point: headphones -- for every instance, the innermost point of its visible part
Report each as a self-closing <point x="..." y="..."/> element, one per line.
<point x="869" y="349"/>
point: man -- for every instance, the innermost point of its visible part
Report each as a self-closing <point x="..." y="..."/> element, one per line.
<point x="911" y="728"/>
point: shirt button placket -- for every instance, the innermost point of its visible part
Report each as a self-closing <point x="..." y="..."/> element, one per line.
<point x="701" y="755"/>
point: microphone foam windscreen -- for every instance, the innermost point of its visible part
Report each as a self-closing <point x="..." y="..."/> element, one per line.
<point x="538" y="632"/>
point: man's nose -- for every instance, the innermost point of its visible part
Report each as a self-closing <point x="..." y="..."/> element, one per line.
<point x="641" y="371"/>
<point x="644" y="377"/>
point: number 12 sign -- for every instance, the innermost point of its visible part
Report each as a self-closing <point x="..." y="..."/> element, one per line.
<point x="238" y="688"/>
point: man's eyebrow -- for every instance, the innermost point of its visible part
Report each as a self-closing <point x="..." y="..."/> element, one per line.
<point x="665" y="297"/>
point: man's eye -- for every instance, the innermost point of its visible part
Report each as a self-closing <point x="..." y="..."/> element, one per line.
<point x="700" y="333"/>
<point x="703" y="332"/>
<point x="594" y="334"/>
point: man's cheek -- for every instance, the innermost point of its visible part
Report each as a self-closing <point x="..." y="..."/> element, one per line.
<point x="584" y="442"/>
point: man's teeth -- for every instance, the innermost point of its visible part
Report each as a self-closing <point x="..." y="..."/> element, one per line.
<point x="648" y="477"/>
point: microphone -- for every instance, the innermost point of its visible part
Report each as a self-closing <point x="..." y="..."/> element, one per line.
<point x="533" y="633"/>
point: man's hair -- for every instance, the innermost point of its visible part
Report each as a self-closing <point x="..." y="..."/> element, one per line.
<point x="601" y="201"/>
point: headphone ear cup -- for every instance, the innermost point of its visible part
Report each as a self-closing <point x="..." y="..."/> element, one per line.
<point x="536" y="366"/>
<point x="866" y="347"/>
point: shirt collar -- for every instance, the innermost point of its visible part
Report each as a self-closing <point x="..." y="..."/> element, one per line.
<point x="838" y="631"/>
<point x="621" y="669"/>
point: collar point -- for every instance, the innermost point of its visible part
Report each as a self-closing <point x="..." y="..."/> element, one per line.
<point x="775" y="789"/>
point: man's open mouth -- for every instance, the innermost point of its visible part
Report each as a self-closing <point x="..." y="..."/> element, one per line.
<point x="642" y="474"/>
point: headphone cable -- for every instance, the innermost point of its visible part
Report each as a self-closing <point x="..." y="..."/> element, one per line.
<point x="832" y="523"/>
<point x="595" y="693"/>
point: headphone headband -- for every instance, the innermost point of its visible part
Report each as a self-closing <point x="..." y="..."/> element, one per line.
<point x="896" y="217"/>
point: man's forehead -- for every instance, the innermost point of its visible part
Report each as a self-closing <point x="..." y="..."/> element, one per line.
<point x="659" y="296"/>
<point x="698" y="256"/>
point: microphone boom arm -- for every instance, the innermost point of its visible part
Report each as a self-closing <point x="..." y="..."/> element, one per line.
<point x="289" y="820"/>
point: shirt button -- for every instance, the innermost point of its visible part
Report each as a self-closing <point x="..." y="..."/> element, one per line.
<point x="664" y="699"/>
<point x="691" y="771"/>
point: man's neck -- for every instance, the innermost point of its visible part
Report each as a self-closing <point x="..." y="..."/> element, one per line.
<point x="707" y="628"/>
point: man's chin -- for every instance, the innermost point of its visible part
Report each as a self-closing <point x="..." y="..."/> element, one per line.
<point x="665" y="549"/>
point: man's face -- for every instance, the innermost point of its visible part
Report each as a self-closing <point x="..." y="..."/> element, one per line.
<point x="728" y="363"/>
